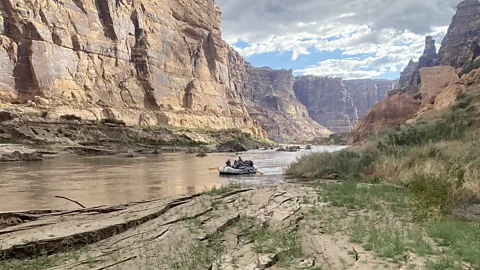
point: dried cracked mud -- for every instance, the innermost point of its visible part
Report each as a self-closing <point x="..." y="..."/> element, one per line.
<point x="262" y="228"/>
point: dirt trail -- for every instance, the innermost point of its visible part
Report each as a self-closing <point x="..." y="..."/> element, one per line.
<point x="262" y="228"/>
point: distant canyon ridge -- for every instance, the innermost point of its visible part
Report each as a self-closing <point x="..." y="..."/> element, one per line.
<point x="163" y="63"/>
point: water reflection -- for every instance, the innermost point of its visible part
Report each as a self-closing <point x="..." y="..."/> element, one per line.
<point x="97" y="181"/>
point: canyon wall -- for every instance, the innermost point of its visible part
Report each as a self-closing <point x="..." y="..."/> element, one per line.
<point x="366" y="93"/>
<point x="268" y="94"/>
<point x="461" y="43"/>
<point x="339" y="104"/>
<point x="145" y="62"/>
<point x="328" y="102"/>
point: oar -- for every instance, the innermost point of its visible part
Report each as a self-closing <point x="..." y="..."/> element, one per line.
<point x="211" y="169"/>
<point x="259" y="172"/>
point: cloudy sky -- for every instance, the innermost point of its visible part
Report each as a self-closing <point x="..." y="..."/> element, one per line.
<point x="344" y="38"/>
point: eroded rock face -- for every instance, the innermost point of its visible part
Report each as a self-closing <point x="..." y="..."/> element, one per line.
<point x="366" y="93"/>
<point x="328" y="102"/>
<point x="434" y="80"/>
<point x="395" y="109"/>
<point x="461" y="44"/>
<point x="410" y="80"/>
<point x="270" y="100"/>
<point x="145" y="62"/>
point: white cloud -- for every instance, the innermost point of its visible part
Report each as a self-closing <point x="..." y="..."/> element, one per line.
<point x="389" y="31"/>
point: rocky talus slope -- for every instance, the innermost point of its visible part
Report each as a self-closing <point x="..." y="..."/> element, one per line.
<point x="144" y="62"/>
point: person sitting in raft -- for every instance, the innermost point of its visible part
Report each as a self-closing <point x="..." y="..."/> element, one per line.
<point x="228" y="163"/>
<point x="240" y="160"/>
<point x="235" y="164"/>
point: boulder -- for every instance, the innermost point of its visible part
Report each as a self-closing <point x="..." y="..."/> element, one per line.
<point x="434" y="80"/>
<point x="41" y="101"/>
<point x="18" y="156"/>
<point x="231" y="146"/>
<point x="131" y="154"/>
<point x="70" y="117"/>
<point x="5" y="116"/>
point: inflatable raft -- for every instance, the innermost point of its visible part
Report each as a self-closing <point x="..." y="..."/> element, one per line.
<point x="233" y="171"/>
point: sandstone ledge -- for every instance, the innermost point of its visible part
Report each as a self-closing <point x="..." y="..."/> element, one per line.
<point x="187" y="232"/>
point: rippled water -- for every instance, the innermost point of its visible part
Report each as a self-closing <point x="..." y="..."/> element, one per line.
<point x="114" y="180"/>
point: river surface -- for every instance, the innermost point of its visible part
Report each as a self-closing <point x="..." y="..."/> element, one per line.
<point x="95" y="181"/>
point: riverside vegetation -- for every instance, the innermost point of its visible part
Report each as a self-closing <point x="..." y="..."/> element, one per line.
<point x="426" y="172"/>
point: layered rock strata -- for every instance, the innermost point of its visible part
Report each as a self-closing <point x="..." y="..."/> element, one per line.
<point x="366" y="93"/>
<point x="461" y="43"/>
<point x="140" y="61"/>
<point x="328" y="102"/>
<point x="144" y="62"/>
<point x="271" y="101"/>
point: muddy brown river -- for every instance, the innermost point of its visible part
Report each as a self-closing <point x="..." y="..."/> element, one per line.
<point x="95" y="181"/>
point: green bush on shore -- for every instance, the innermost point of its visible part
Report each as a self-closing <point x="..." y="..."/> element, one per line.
<point x="321" y="165"/>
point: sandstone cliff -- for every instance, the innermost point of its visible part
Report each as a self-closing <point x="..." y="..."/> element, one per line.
<point x="145" y="62"/>
<point x="272" y="102"/>
<point x="269" y="97"/>
<point x="461" y="44"/>
<point x="328" y="102"/>
<point x="366" y="93"/>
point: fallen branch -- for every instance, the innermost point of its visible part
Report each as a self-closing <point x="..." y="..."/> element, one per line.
<point x="65" y="198"/>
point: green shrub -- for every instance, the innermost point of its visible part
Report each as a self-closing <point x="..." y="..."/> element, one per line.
<point x="469" y="67"/>
<point x="434" y="194"/>
<point x="344" y="164"/>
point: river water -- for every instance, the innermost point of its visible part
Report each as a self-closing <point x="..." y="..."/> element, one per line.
<point x="95" y="181"/>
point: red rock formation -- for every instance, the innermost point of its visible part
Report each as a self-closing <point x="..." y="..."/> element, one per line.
<point x="434" y="80"/>
<point x="395" y="109"/>
<point x="461" y="44"/>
